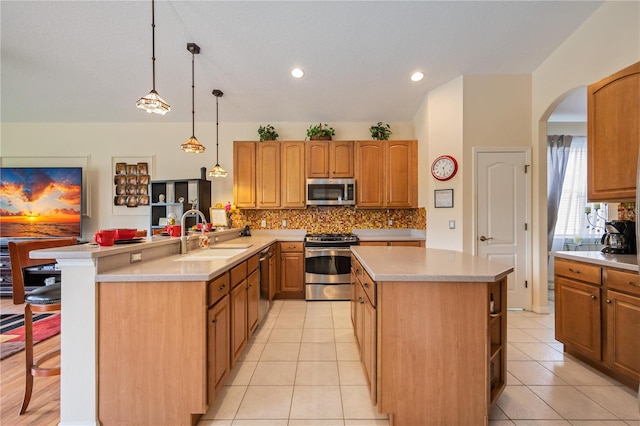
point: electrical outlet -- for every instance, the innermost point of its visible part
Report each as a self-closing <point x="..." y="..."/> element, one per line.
<point x="390" y="222"/>
<point x="284" y="223"/>
<point x="452" y="224"/>
<point x="135" y="257"/>
<point x="263" y="223"/>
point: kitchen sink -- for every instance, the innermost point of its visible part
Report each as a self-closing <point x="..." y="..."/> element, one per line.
<point x="205" y="255"/>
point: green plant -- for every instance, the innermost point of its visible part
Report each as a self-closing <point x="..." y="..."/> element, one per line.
<point x="316" y="132"/>
<point x="267" y="133"/>
<point x="380" y="131"/>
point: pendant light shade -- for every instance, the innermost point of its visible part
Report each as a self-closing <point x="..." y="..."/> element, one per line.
<point x="217" y="170"/>
<point x="152" y="102"/>
<point x="192" y="145"/>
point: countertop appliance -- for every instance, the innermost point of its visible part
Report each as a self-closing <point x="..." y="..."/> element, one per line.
<point x="328" y="266"/>
<point x="620" y="237"/>
<point x="331" y="192"/>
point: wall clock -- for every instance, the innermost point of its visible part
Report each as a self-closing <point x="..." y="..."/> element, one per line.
<point x="444" y="167"/>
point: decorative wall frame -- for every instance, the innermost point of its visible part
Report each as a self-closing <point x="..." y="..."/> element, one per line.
<point x="131" y="182"/>
<point x="443" y="198"/>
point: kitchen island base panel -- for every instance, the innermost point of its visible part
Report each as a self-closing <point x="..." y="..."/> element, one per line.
<point x="152" y="341"/>
<point x="432" y="366"/>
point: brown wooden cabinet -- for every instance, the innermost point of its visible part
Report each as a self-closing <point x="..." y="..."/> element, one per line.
<point x="293" y="180"/>
<point x="613" y="136"/>
<point x="268" y="174"/>
<point x="598" y="317"/>
<point x="386" y="174"/>
<point x="396" y="342"/>
<point x="333" y="159"/>
<point x="623" y="322"/>
<point x="292" y="268"/>
<point x="244" y="174"/>
<point x="578" y="312"/>
<point x="218" y="351"/>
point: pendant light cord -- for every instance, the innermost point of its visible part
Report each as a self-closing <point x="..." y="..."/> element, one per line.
<point x="153" y="43"/>
<point x="217" y="162"/>
<point x="193" y="91"/>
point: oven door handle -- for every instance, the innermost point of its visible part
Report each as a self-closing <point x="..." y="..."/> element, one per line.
<point x="325" y="251"/>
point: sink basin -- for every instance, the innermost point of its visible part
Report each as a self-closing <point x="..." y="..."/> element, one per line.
<point x="230" y="246"/>
<point x="204" y="255"/>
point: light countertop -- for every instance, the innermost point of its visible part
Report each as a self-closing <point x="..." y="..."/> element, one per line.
<point x="627" y="262"/>
<point x="423" y="264"/>
<point x="390" y="234"/>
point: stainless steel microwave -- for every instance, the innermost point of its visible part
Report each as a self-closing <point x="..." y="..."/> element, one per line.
<point x="331" y="192"/>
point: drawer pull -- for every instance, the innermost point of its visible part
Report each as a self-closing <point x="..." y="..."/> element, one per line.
<point x="366" y="285"/>
<point x="608" y="301"/>
<point x="213" y="321"/>
<point x="593" y="297"/>
<point x="634" y="284"/>
<point x="361" y="301"/>
<point x="222" y="287"/>
<point x="575" y="271"/>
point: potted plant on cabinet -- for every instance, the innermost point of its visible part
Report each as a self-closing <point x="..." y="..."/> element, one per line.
<point x="318" y="133"/>
<point x="267" y="133"/>
<point x="380" y="131"/>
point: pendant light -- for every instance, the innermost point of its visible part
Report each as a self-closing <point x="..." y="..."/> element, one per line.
<point x="192" y="145"/>
<point x="217" y="170"/>
<point x="152" y="102"/>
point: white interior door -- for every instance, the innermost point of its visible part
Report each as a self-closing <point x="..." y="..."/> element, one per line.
<point x="503" y="216"/>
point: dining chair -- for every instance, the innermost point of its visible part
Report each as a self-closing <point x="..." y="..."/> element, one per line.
<point x="43" y="299"/>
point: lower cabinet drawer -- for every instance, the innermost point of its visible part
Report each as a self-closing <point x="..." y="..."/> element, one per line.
<point x="217" y="288"/>
<point x="578" y="271"/>
<point x="623" y="280"/>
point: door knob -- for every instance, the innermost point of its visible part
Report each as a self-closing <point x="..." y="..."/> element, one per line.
<point x="483" y="238"/>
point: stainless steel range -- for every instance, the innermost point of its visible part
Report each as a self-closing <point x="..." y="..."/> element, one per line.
<point x="328" y="266"/>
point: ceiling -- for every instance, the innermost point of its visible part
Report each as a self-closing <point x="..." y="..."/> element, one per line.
<point x="90" y="61"/>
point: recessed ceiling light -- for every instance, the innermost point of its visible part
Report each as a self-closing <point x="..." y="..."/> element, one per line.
<point x="297" y="73"/>
<point x="417" y="76"/>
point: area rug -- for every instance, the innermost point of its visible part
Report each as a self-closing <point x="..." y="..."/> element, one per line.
<point x="12" y="331"/>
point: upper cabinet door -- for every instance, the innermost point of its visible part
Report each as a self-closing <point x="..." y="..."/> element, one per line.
<point x="341" y="159"/>
<point x="401" y="174"/>
<point x="317" y="159"/>
<point x="332" y="159"/>
<point x="293" y="181"/>
<point x="369" y="162"/>
<point x="613" y="136"/>
<point x="268" y="174"/>
<point x="244" y="174"/>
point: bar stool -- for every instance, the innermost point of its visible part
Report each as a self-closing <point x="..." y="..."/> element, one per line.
<point x="43" y="299"/>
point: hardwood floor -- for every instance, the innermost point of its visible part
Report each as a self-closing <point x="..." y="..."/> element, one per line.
<point x="44" y="408"/>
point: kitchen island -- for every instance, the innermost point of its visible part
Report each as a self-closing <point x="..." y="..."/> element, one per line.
<point x="433" y="349"/>
<point x="134" y="280"/>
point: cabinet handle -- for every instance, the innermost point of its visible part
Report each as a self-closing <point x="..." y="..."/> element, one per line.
<point x="608" y="301"/>
<point x="593" y="297"/>
<point x="213" y="321"/>
<point x="575" y="271"/>
<point x="222" y="287"/>
<point x="361" y="301"/>
<point x="366" y="285"/>
<point x="631" y="283"/>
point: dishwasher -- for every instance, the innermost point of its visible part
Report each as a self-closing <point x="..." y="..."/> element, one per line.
<point x="266" y="276"/>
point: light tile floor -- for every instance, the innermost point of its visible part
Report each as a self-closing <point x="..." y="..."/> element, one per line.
<point x="301" y="368"/>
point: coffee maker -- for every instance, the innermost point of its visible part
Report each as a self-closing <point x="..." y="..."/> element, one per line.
<point x="620" y="237"/>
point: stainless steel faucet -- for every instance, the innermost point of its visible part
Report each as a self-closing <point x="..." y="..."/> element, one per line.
<point x="184" y="239"/>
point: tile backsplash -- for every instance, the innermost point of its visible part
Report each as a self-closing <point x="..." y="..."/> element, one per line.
<point x="332" y="219"/>
<point x="627" y="211"/>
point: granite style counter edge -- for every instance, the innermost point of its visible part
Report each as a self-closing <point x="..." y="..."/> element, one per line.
<point x="627" y="262"/>
<point x="429" y="265"/>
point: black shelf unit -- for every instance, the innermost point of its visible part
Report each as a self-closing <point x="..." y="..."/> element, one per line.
<point x="196" y="193"/>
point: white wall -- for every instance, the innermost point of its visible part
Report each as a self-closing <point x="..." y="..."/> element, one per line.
<point x="607" y="42"/>
<point x="99" y="143"/>
<point x="440" y="122"/>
